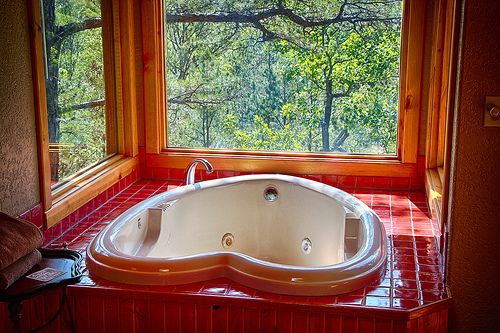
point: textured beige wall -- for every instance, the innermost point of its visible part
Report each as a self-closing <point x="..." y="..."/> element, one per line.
<point x="18" y="161"/>
<point x="474" y="248"/>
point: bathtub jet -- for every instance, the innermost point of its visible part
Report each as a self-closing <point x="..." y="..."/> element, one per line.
<point x="275" y="233"/>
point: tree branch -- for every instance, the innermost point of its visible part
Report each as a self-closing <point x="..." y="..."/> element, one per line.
<point x="86" y="105"/>
<point x="339" y="140"/>
<point x="200" y="102"/>
<point x="256" y="19"/>
<point x="346" y="93"/>
<point x="266" y="33"/>
<point x="190" y="101"/>
<point x="67" y="30"/>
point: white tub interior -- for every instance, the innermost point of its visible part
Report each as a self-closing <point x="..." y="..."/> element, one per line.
<point x="269" y="231"/>
<point x="313" y="240"/>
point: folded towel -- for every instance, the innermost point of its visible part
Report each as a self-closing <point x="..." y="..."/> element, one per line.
<point x="17" y="239"/>
<point x="11" y="273"/>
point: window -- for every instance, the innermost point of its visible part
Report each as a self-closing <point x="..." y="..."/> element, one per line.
<point x="285" y="114"/>
<point x="75" y="86"/>
<point x="443" y="49"/>
<point x="296" y="76"/>
<point x="81" y="57"/>
<point x="160" y="152"/>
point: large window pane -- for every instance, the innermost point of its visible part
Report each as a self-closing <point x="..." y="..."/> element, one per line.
<point x="312" y="76"/>
<point x="75" y="85"/>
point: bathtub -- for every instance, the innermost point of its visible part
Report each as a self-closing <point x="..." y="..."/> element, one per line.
<point x="275" y="233"/>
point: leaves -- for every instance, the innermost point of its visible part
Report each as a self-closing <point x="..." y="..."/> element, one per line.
<point x="75" y="85"/>
<point x="309" y="75"/>
<point x="275" y="91"/>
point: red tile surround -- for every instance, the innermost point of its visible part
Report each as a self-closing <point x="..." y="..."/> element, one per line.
<point x="367" y="182"/>
<point x="413" y="279"/>
<point x="34" y="215"/>
<point x="413" y="276"/>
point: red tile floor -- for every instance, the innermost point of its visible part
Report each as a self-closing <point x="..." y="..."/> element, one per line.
<point x="413" y="277"/>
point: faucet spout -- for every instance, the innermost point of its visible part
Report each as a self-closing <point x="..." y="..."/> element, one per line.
<point x="191" y="169"/>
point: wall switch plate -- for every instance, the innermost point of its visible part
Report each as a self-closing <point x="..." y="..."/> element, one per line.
<point x="492" y="111"/>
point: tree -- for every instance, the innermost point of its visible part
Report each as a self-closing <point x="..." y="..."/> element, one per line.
<point x="301" y="75"/>
<point x="72" y="37"/>
<point x="340" y="61"/>
<point x="331" y="49"/>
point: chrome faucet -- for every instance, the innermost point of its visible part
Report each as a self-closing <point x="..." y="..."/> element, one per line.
<point x="191" y="168"/>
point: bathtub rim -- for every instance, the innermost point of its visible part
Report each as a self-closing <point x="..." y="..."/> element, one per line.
<point x="105" y="260"/>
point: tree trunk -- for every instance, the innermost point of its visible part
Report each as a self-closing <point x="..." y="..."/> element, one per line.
<point x="325" y="124"/>
<point x="206" y="123"/>
<point x="54" y="37"/>
<point x="339" y="140"/>
<point x="52" y="83"/>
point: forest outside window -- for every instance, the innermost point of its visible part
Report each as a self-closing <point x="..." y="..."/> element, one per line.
<point x="283" y="75"/>
<point x="78" y="116"/>
<point x="81" y="57"/>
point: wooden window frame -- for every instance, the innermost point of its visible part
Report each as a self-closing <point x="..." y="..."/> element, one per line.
<point x="120" y="70"/>
<point x="403" y="164"/>
<point x="119" y="60"/>
<point x="441" y="103"/>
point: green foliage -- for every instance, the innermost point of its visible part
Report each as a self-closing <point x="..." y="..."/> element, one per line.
<point x="81" y="72"/>
<point x="83" y="134"/>
<point x="73" y="11"/>
<point x="272" y="94"/>
<point x="277" y="86"/>
<point x="76" y="67"/>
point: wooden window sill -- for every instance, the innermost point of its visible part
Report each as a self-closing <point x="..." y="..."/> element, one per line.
<point x="434" y="191"/>
<point x="291" y="163"/>
<point x="82" y="188"/>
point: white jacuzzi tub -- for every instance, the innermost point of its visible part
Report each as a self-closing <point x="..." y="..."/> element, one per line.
<point x="275" y="233"/>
